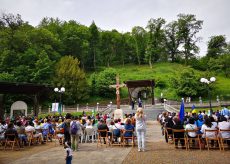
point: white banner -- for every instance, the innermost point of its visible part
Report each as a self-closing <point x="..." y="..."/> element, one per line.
<point x="55" y="107"/>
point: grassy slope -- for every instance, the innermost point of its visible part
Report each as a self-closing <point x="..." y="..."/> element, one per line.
<point x="160" y="71"/>
<point x="163" y="72"/>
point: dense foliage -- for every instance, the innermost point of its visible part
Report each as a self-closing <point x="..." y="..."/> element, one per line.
<point x="60" y="52"/>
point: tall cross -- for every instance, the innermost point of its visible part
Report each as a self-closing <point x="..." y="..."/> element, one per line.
<point x="118" y="86"/>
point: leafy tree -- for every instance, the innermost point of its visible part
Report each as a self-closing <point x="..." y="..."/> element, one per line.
<point x="54" y="25"/>
<point x="225" y="64"/>
<point x="75" y="40"/>
<point x="214" y="65"/>
<point x="139" y="36"/>
<point x="44" y="69"/>
<point x="69" y="75"/>
<point x="94" y="40"/>
<point x="189" y="26"/>
<point x="109" y="46"/>
<point x="187" y="83"/>
<point x="6" y="77"/>
<point x="155" y="45"/>
<point x="129" y="48"/>
<point x="42" y="39"/>
<point x="216" y="46"/>
<point x="102" y="82"/>
<point x="9" y="24"/>
<point x="172" y="40"/>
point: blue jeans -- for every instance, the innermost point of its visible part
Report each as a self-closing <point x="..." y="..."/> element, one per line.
<point x="141" y="138"/>
<point x="68" y="160"/>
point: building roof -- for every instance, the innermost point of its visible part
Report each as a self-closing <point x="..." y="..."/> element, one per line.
<point x="24" y="88"/>
<point x="139" y="83"/>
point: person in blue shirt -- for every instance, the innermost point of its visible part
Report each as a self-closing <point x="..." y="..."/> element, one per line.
<point x="225" y="111"/>
<point x="128" y="126"/>
<point x="199" y="122"/>
<point x="139" y="102"/>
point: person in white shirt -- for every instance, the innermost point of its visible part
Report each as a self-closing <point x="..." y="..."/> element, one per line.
<point x="208" y="126"/>
<point x="214" y="123"/>
<point x="140" y="129"/>
<point x="69" y="153"/>
<point x="191" y="126"/>
<point x="224" y="125"/>
<point x="30" y="128"/>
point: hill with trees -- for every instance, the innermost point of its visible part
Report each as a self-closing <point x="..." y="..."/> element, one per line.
<point x="69" y="54"/>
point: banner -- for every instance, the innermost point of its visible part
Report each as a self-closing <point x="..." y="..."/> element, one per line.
<point x="55" y="107"/>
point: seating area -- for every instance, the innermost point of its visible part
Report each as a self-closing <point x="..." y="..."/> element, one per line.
<point x="37" y="131"/>
<point x="211" y="134"/>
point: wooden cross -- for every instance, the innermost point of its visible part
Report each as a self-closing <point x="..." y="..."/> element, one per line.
<point x="118" y="86"/>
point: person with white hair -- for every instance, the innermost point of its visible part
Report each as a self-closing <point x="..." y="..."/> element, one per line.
<point x="140" y="129"/>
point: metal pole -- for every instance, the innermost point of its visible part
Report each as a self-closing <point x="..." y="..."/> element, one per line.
<point x="210" y="101"/>
<point x="60" y="104"/>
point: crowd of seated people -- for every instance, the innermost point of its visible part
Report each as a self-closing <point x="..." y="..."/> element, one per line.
<point x="200" y="122"/>
<point x="60" y="127"/>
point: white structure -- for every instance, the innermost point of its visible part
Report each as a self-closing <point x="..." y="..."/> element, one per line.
<point x="18" y="106"/>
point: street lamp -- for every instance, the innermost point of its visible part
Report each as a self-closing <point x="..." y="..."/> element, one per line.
<point x="111" y="104"/>
<point x="207" y="82"/>
<point x="97" y="105"/>
<point x="60" y="91"/>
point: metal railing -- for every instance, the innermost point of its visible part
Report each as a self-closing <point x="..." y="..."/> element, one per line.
<point x="170" y="108"/>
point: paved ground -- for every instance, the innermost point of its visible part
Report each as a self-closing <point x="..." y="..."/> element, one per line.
<point x="157" y="152"/>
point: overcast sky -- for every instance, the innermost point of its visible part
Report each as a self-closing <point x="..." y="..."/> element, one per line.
<point x="125" y="14"/>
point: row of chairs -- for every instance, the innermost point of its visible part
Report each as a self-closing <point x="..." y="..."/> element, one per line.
<point x="110" y="139"/>
<point x="102" y="137"/>
<point x="11" y="140"/>
<point x="187" y="140"/>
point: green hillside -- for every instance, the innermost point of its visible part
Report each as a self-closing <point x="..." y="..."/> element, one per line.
<point x="162" y="73"/>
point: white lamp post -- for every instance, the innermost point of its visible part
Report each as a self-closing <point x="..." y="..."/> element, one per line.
<point x="111" y="104"/>
<point x="97" y="105"/>
<point x="207" y="82"/>
<point x="60" y="91"/>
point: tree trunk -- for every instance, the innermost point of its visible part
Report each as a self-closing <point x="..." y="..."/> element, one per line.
<point x="94" y="59"/>
<point x="150" y="62"/>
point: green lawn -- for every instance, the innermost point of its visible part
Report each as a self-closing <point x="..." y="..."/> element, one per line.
<point x="163" y="72"/>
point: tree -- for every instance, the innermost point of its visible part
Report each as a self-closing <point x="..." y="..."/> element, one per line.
<point x="110" y="41"/>
<point x="102" y="82"/>
<point x="216" y="46"/>
<point x="94" y="40"/>
<point x="225" y="64"/>
<point x="189" y="26"/>
<point x="172" y="40"/>
<point x="9" y="24"/>
<point x="75" y="41"/>
<point x="139" y="36"/>
<point x="69" y="75"/>
<point x="155" y="43"/>
<point x="187" y="83"/>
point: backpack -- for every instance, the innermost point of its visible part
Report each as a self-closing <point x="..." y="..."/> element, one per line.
<point x="74" y="128"/>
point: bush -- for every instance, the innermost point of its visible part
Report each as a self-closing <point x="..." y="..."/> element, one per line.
<point x="102" y="81"/>
<point x="188" y="84"/>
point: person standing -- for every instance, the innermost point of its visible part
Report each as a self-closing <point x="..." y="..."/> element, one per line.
<point x="69" y="153"/>
<point x="66" y="126"/>
<point x="75" y="131"/>
<point x="140" y="129"/>
<point x="139" y="102"/>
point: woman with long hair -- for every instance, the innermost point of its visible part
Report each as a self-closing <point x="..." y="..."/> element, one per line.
<point x="140" y="129"/>
<point x="208" y="125"/>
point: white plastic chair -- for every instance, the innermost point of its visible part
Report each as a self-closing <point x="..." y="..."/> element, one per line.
<point x="89" y="132"/>
<point x="81" y="135"/>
